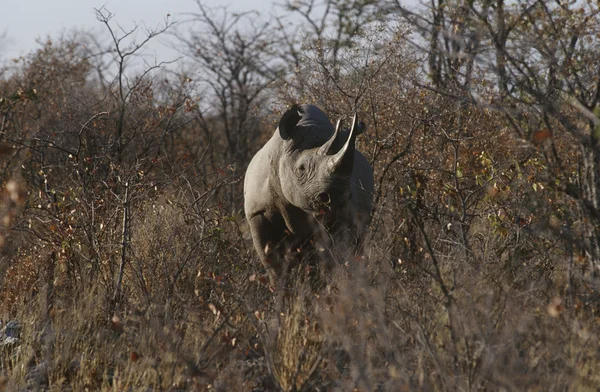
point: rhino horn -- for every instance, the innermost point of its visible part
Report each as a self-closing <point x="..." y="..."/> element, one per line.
<point x="343" y="161"/>
<point x="327" y="148"/>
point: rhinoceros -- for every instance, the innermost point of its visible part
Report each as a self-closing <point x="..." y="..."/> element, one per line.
<point x="305" y="186"/>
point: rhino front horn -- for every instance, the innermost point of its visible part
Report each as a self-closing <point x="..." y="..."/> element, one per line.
<point x="343" y="161"/>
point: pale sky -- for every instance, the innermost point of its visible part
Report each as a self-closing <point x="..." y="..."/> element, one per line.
<point x="24" y="21"/>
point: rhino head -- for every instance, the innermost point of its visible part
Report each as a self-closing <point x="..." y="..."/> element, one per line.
<point x="316" y="162"/>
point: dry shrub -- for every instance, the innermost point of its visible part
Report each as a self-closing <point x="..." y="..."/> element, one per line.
<point x="25" y="277"/>
<point x="363" y="349"/>
<point x="168" y="255"/>
<point x="295" y="343"/>
<point x="380" y="328"/>
<point x="177" y="330"/>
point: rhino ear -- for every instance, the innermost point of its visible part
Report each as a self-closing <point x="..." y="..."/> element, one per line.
<point x="289" y="120"/>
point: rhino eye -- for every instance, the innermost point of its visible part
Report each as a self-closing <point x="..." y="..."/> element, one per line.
<point x="301" y="171"/>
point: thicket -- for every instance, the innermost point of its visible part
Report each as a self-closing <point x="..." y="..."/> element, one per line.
<point x="127" y="264"/>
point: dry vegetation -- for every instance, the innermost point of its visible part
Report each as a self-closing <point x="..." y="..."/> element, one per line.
<point x="127" y="264"/>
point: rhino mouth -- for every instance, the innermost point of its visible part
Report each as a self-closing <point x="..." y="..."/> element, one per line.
<point x="327" y="214"/>
<point x="325" y="202"/>
<point x="325" y="198"/>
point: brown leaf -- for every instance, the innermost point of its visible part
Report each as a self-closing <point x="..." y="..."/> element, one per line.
<point x="212" y="308"/>
<point x="541" y="135"/>
<point x="116" y="324"/>
<point x="555" y="307"/>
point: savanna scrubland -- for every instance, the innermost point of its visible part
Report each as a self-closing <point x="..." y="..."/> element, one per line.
<point x="126" y="261"/>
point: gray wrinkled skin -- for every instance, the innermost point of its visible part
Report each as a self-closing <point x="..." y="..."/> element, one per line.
<point x="306" y="186"/>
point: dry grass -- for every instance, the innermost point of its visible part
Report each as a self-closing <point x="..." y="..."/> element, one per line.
<point x="374" y="326"/>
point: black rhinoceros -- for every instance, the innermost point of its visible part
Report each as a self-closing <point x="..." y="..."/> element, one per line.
<point x="306" y="186"/>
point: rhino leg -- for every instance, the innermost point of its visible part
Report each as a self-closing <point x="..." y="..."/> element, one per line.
<point x="267" y="235"/>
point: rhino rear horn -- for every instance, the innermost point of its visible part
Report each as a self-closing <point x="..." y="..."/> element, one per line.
<point x="328" y="147"/>
<point x="343" y="161"/>
<point x="289" y="120"/>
